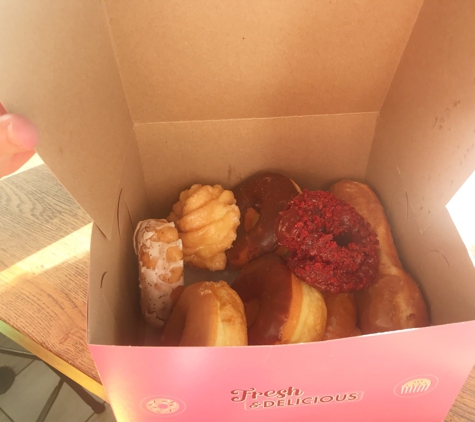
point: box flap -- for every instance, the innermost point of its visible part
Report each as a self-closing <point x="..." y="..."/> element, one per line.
<point x="423" y="151"/>
<point x="427" y="121"/>
<point x="57" y="67"/>
<point x="218" y="60"/>
<point x="437" y="258"/>
<point x="113" y="296"/>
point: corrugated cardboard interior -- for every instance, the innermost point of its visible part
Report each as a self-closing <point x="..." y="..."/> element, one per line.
<point x="137" y="100"/>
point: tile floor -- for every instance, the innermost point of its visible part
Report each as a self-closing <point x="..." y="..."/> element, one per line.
<point x="33" y="384"/>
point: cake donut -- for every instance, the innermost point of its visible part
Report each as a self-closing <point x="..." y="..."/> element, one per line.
<point x="260" y="198"/>
<point x="207" y="314"/>
<point x="207" y="218"/>
<point x="393" y="302"/>
<point x="160" y="260"/>
<point x="331" y="246"/>
<point x="280" y="309"/>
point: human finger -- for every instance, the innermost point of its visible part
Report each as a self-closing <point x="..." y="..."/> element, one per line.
<point x="17" y="134"/>
<point x="11" y="163"/>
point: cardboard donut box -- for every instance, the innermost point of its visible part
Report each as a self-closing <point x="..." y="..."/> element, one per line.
<point x="137" y="100"/>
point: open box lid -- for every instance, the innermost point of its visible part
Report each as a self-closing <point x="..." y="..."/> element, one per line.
<point x="70" y="67"/>
<point x="57" y="67"/>
<point x="213" y="60"/>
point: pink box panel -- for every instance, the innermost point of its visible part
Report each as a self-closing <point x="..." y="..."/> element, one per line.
<point x="412" y="375"/>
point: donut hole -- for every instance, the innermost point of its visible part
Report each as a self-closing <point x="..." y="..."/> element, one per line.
<point x="251" y="217"/>
<point x="343" y="239"/>
<point x="251" y="310"/>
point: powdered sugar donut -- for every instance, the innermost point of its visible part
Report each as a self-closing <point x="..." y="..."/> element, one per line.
<point x="160" y="258"/>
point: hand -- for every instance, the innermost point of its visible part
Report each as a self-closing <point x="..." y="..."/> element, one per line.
<point x="18" y="139"/>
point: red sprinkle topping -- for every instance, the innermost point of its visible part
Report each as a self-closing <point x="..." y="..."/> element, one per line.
<point x="331" y="246"/>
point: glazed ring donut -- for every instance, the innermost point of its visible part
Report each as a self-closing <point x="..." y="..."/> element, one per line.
<point x="341" y="316"/>
<point x="280" y="309"/>
<point x="260" y="198"/>
<point x="207" y="314"/>
<point x="331" y="246"/>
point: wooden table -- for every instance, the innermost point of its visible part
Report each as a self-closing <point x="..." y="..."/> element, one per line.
<point x="44" y="253"/>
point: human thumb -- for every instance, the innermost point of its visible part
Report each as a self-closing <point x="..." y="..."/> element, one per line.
<point x="18" y="139"/>
<point x="17" y="134"/>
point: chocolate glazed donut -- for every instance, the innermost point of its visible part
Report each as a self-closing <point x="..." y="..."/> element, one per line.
<point x="260" y="198"/>
<point x="280" y="309"/>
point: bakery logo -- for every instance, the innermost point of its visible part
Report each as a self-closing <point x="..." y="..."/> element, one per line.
<point x="290" y="397"/>
<point x="417" y="386"/>
<point x="163" y="406"/>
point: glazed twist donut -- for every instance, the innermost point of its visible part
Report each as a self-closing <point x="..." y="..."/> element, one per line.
<point x="207" y="218"/>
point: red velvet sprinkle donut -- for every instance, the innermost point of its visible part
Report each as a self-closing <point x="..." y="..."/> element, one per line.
<point x="331" y="246"/>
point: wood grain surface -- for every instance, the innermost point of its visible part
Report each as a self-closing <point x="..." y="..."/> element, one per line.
<point x="44" y="254"/>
